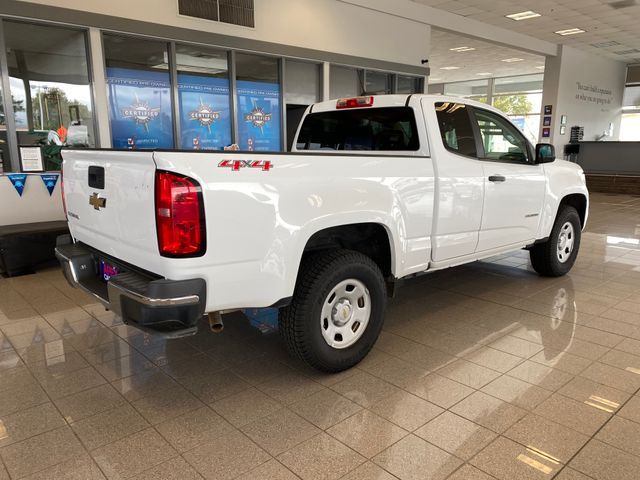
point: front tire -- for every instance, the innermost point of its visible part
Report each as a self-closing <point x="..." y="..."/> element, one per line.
<point x="337" y="310"/>
<point x="556" y="256"/>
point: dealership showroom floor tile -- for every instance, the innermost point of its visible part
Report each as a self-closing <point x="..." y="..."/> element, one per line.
<point x="482" y="371"/>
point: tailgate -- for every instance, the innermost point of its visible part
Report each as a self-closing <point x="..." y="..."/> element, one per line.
<point x="110" y="203"/>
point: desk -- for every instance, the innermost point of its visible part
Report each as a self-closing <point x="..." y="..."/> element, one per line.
<point x="611" y="167"/>
<point x="610" y="158"/>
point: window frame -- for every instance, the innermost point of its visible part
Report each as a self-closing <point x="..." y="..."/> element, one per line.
<point x="12" y="162"/>
<point x="482" y="155"/>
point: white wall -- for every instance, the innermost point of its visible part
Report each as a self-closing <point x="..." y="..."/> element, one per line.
<point x="326" y="25"/>
<point x="588" y="89"/>
<point x="34" y="206"/>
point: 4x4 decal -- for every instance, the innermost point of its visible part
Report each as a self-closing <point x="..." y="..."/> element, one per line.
<point x="236" y="165"/>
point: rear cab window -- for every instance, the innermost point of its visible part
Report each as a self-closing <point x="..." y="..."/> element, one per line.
<point x="387" y="129"/>
<point x="456" y="128"/>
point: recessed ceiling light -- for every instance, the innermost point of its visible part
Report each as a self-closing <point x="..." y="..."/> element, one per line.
<point x="512" y="60"/>
<point x="570" y="31"/>
<point x="523" y="15"/>
<point x="623" y="4"/>
<point x="462" y="49"/>
<point x="435" y="79"/>
<point x="611" y="43"/>
<point x="449" y="68"/>
<point x="627" y="52"/>
<point x="540" y="67"/>
<point x="484" y="74"/>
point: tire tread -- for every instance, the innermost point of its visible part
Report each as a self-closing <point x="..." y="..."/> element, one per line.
<point x="313" y="269"/>
<point x="543" y="255"/>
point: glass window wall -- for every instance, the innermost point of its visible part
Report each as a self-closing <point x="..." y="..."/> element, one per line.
<point x="4" y="146"/>
<point x="477" y="90"/>
<point x="162" y="94"/>
<point x="521" y="99"/>
<point x="302" y="88"/>
<point x="630" y="127"/>
<point x="259" y="108"/>
<point x="345" y="82"/>
<point x="139" y="92"/>
<point x="203" y="98"/>
<point x="408" y="84"/>
<point x="302" y="82"/>
<point x="378" y="83"/>
<point x="50" y="90"/>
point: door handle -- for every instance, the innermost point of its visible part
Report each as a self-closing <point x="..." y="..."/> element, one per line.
<point x="497" y="178"/>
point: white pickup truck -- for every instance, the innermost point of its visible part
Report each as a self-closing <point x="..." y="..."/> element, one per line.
<point x="376" y="189"/>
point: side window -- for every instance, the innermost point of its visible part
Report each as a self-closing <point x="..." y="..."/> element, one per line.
<point x="501" y="140"/>
<point x="455" y="128"/>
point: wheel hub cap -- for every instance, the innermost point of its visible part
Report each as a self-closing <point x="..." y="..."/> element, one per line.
<point x="345" y="313"/>
<point x="566" y="241"/>
<point x="341" y="312"/>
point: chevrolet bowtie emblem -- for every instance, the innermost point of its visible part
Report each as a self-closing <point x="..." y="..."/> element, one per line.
<point x="96" y="202"/>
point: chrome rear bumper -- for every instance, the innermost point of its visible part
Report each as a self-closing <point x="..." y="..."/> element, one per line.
<point x="172" y="307"/>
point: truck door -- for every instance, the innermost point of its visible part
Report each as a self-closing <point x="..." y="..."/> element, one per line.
<point x="514" y="185"/>
<point x="459" y="180"/>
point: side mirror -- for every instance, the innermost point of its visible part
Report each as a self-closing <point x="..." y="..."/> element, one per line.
<point x="545" y="153"/>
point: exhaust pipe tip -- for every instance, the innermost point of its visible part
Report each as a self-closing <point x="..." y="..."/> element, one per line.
<point x="215" y="322"/>
<point x="218" y="328"/>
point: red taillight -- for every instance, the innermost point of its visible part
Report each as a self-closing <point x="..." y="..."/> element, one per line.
<point x="179" y="216"/>
<point x="356" y="102"/>
<point x="64" y="203"/>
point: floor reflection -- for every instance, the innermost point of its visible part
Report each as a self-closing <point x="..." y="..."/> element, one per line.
<point x="485" y="367"/>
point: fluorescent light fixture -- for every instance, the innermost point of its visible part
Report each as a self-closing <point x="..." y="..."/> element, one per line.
<point x="523" y="15"/>
<point x="570" y="31"/>
<point x="484" y="74"/>
<point x="449" y="68"/>
<point x="540" y="67"/>
<point x="462" y="49"/>
<point x="512" y="60"/>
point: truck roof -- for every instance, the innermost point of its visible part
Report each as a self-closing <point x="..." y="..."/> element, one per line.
<point x="400" y="100"/>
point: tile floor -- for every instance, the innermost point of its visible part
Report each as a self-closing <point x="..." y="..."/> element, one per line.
<point x="485" y="371"/>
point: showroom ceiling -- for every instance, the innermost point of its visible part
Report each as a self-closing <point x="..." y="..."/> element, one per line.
<point x="455" y="57"/>
<point x="611" y="27"/>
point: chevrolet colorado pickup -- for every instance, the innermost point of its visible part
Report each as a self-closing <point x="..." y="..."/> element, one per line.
<point x="376" y="189"/>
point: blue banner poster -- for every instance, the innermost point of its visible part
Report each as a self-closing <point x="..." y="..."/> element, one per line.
<point x="140" y="108"/>
<point x="259" y="116"/>
<point x="18" y="181"/>
<point x="50" y="182"/>
<point x="205" y="115"/>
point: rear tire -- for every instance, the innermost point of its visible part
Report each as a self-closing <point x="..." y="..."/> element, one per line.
<point x="337" y="310"/>
<point x="556" y="256"/>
